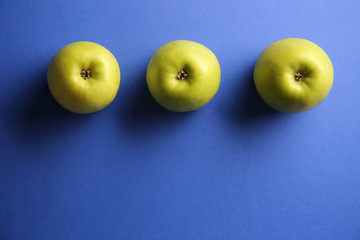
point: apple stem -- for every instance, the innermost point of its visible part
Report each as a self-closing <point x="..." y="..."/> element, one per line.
<point x="299" y="76"/>
<point x="181" y="75"/>
<point x="85" y="74"/>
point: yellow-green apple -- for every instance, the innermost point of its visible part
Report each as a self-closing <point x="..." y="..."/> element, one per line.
<point x="183" y="75"/>
<point x="83" y="77"/>
<point x="293" y="75"/>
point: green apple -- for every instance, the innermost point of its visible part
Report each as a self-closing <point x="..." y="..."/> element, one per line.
<point x="83" y="77"/>
<point x="183" y="75"/>
<point x="293" y="75"/>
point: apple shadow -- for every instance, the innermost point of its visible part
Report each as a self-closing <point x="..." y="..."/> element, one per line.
<point x="4" y="234"/>
<point x="35" y="115"/>
<point x="248" y="108"/>
<point x="142" y="111"/>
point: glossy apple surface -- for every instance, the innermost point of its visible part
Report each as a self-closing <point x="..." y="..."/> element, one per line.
<point x="83" y="77"/>
<point x="293" y="75"/>
<point x="183" y="75"/>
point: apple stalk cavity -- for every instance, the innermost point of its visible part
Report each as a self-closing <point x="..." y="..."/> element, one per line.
<point x="299" y="77"/>
<point x="181" y="75"/>
<point x="85" y="74"/>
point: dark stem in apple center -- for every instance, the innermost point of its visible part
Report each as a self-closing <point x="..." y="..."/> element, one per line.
<point x="85" y="74"/>
<point x="181" y="75"/>
<point x="299" y="77"/>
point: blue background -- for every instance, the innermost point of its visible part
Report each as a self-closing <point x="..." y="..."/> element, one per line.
<point x="234" y="169"/>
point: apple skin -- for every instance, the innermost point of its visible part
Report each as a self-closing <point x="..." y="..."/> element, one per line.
<point x="83" y="77"/>
<point x="192" y="61"/>
<point x="293" y="75"/>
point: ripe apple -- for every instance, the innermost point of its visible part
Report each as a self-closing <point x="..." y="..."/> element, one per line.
<point x="83" y="77"/>
<point x="293" y="75"/>
<point x="183" y="75"/>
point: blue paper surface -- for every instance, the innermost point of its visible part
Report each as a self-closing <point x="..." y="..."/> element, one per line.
<point x="234" y="169"/>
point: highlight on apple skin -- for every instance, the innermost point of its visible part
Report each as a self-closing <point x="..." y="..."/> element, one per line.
<point x="83" y="77"/>
<point x="293" y="75"/>
<point x="183" y="75"/>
